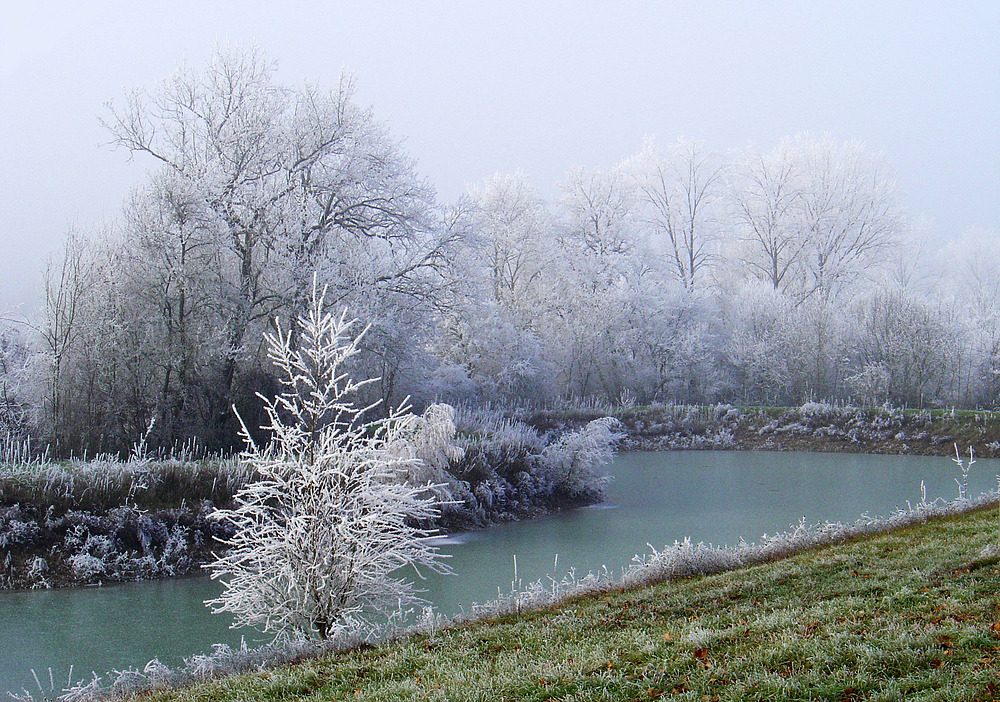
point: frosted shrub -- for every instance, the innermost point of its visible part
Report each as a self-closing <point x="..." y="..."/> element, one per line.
<point x="320" y="537"/>
<point x="871" y="384"/>
<point x="576" y="456"/>
<point x="175" y="549"/>
<point x="818" y="410"/>
<point x="427" y="443"/>
<point x="37" y="571"/>
<point x="86" y="567"/>
<point x="963" y="467"/>
<point x="492" y="426"/>
<point x="681" y="560"/>
<point x="16" y="528"/>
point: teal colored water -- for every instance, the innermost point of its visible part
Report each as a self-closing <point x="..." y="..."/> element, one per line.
<point x="656" y="498"/>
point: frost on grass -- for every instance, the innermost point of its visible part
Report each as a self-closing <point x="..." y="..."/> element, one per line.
<point x="321" y="537"/>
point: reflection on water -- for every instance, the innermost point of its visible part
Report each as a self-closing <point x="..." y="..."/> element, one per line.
<point x="656" y="498"/>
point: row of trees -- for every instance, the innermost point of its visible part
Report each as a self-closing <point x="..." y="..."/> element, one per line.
<point x="677" y="275"/>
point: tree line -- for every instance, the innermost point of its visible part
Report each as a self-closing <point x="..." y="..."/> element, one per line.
<point x="678" y="275"/>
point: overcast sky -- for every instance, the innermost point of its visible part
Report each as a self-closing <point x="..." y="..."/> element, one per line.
<point x="481" y="87"/>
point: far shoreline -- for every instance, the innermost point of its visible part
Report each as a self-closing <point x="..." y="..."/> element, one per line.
<point x="814" y="427"/>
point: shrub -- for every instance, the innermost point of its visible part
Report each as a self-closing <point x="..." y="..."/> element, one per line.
<point x="320" y="537"/>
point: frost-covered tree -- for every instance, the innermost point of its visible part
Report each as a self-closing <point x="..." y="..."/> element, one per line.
<point x="680" y="190"/>
<point x="512" y="230"/>
<point x="602" y="210"/>
<point x="172" y="281"/>
<point x="600" y="259"/>
<point x="322" y="535"/>
<point x="911" y="342"/>
<point x="15" y="356"/>
<point x="492" y="329"/>
<point x="969" y="267"/>
<point x="69" y="283"/>
<point x="765" y="200"/>
<point x="576" y="456"/>
<point x="763" y="348"/>
<point x="260" y="185"/>
<point x="848" y="211"/>
<point x="815" y="217"/>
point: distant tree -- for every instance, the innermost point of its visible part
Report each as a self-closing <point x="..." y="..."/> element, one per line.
<point x="493" y="326"/>
<point x="680" y="189"/>
<point x="848" y="211"/>
<point x="601" y="210"/>
<point x="815" y="216"/>
<point x="967" y="271"/>
<point x="15" y="391"/>
<point x="173" y="272"/>
<point x="322" y="535"/>
<point x="763" y="348"/>
<point x="261" y="185"/>
<point x="909" y="341"/>
<point x="599" y="257"/>
<point x="514" y="230"/>
<point x="222" y="132"/>
<point x="765" y="200"/>
<point x="70" y="284"/>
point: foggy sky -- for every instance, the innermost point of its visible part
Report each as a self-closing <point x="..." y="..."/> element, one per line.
<point x="482" y="87"/>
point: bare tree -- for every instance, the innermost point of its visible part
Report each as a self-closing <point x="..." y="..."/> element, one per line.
<point x="848" y="211"/>
<point x="262" y="186"/>
<point x="70" y="282"/>
<point x="765" y="198"/>
<point x="601" y="207"/>
<point x="910" y="341"/>
<point x="681" y="188"/>
<point x="511" y="226"/>
<point x="173" y="265"/>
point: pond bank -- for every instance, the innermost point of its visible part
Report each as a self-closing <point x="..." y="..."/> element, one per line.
<point x="814" y="426"/>
<point x="65" y="524"/>
<point x="107" y="521"/>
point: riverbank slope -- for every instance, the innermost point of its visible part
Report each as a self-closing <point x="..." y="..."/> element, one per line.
<point x="913" y="614"/>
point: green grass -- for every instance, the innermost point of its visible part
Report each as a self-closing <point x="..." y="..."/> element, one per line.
<point x="911" y="615"/>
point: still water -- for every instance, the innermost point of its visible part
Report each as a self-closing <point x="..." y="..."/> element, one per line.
<point x="710" y="496"/>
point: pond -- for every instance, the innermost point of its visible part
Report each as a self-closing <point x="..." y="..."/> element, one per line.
<point x="656" y="498"/>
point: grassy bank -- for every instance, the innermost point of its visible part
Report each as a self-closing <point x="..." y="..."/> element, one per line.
<point x="909" y="615"/>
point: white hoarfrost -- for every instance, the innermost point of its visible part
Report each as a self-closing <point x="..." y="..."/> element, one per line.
<point x="575" y="458"/>
<point x="322" y="535"/>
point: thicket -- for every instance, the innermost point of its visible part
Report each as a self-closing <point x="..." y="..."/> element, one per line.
<point x="817" y="426"/>
<point x="110" y="521"/>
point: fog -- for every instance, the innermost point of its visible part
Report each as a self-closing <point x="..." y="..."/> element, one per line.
<point x="478" y="88"/>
